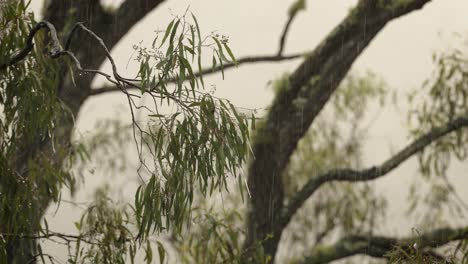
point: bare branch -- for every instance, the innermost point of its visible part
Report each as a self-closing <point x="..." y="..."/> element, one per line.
<point x="350" y="175"/>
<point x="379" y="246"/>
<point x="209" y="71"/>
<point x="285" y="32"/>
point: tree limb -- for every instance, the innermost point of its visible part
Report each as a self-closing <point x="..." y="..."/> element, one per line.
<point x="379" y="246"/>
<point x="350" y="175"/>
<point x="209" y="71"/>
<point x="56" y="48"/>
<point x="284" y="34"/>
<point x="110" y="26"/>
<point x="292" y="14"/>
<point x="128" y="14"/>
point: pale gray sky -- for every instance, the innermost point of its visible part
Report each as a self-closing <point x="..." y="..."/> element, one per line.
<point x="401" y="54"/>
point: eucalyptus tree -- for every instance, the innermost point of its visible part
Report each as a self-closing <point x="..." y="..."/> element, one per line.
<point x="296" y="193"/>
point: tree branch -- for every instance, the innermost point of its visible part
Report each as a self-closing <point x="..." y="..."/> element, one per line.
<point x="284" y="34"/>
<point x="55" y="45"/>
<point x="350" y="175"/>
<point x="379" y="246"/>
<point x="292" y="14"/>
<point x="209" y="71"/>
<point x="110" y="26"/>
<point x="50" y="234"/>
<point x="128" y="14"/>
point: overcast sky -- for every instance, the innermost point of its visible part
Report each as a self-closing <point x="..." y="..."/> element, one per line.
<point x="400" y="54"/>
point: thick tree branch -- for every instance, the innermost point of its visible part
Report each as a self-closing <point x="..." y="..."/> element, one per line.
<point x="128" y="14"/>
<point x="350" y="175"/>
<point x="30" y="45"/>
<point x="296" y="107"/>
<point x="57" y="51"/>
<point x="378" y="246"/>
<point x="209" y="71"/>
<point x="110" y="26"/>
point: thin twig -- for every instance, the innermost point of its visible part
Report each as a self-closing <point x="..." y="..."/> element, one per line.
<point x="285" y="33"/>
<point x="208" y="71"/>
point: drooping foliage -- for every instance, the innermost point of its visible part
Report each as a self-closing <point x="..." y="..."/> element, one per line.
<point x="28" y="99"/>
<point x="195" y="140"/>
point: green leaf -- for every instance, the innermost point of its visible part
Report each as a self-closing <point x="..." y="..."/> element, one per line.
<point x="221" y="63"/>
<point x="154" y="41"/>
<point x="199" y="49"/>
<point x="190" y="50"/>
<point x="174" y="31"/>
<point x="162" y="252"/>
<point x="166" y="34"/>
<point x="230" y="53"/>
<point x="186" y="64"/>
<point x="156" y="115"/>
<point x="220" y="49"/>
<point x="149" y="252"/>
<point x="214" y="63"/>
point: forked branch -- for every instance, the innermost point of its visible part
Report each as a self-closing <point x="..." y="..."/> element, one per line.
<point x="350" y="175"/>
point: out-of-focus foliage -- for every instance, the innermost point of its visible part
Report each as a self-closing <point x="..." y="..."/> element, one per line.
<point x="442" y="99"/>
<point x="104" y="234"/>
<point x="216" y="232"/>
<point x="335" y="139"/>
<point x="215" y="236"/>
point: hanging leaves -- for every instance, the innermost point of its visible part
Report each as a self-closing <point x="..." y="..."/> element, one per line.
<point x="198" y="144"/>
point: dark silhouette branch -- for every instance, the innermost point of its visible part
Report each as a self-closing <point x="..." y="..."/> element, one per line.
<point x="54" y="52"/>
<point x="380" y="246"/>
<point x="56" y="49"/>
<point x="284" y="34"/>
<point x="350" y="175"/>
<point x="128" y="14"/>
<point x="282" y="42"/>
